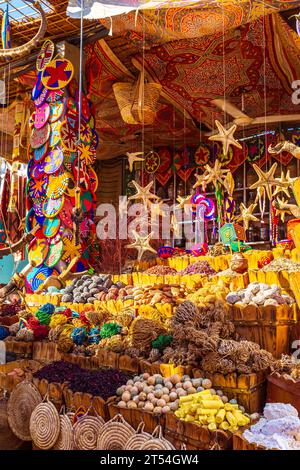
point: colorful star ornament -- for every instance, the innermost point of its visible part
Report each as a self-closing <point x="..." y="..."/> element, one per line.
<point x="70" y="250"/>
<point x="141" y="244"/>
<point x="143" y="193"/>
<point x="200" y="181"/>
<point x="215" y="174"/>
<point x="246" y="215"/>
<point x="134" y="157"/>
<point x="57" y="74"/>
<point x="266" y="179"/>
<point x="225" y="136"/>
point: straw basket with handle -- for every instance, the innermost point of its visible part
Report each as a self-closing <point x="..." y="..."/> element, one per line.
<point x="115" y="434"/>
<point x="65" y="440"/>
<point x="45" y="425"/>
<point x="138" y="102"/>
<point x="138" y="439"/>
<point x="86" y="430"/>
<point x="157" y="441"/>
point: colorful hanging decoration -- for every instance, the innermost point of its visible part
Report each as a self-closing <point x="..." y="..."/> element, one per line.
<point x="56" y="111"/>
<point x="40" y="153"/>
<point x="215" y="174"/>
<point x="225" y="136"/>
<point x="68" y="136"/>
<point x="56" y="248"/>
<point x="57" y="74"/>
<point x="53" y="161"/>
<point x="38" y="87"/>
<point x="52" y="207"/>
<point x="38" y="252"/>
<point x="51" y="227"/>
<point x="39" y="137"/>
<point x="57" y="185"/>
<point x="41" y="99"/>
<point x="202" y="155"/>
<point x="152" y="162"/>
<point x="227" y="234"/>
<point x="41" y="115"/>
<point x="45" y="55"/>
<point x="6" y="30"/>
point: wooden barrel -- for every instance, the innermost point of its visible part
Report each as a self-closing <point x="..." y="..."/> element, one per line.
<point x="8" y="441"/>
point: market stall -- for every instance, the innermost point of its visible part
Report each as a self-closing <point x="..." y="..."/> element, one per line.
<point x="152" y="192"/>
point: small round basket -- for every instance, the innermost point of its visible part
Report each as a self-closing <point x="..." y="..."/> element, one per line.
<point x="157" y="441"/>
<point x="65" y="439"/>
<point x="138" y="439"/>
<point x="115" y="434"/>
<point x="86" y="431"/>
<point x="24" y="398"/>
<point x="45" y="425"/>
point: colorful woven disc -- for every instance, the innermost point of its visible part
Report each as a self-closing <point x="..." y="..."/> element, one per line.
<point x="83" y="174"/>
<point x="40" y="153"/>
<point x="58" y="184"/>
<point x="53" y="161"/>
<point x="37" y="188"/>
<point x="42" y="114"/>
<point x="55" y="253"/>
<point x="93" y="186"/>
<point x="38" y="87"/>
<point x="40" y="276"/>
<point x="86" y="134"/>
<point x="72" y="120"/>
<point x="87" y="153"/>
<point x="87" y="200"/>
<point x="52" y="207"/>
<point x="38" y="205"/>
<point x="66" y="212"/>
<point x="68" y="136"/>
<point x="30" y="167"/>
<point x="54" y="95"/>
<point x="54" y="134"/>
<point x="56" y="111"/>
<point x="45" y="55"/>
<point x="51" y="227"/>
<point x="39" y="136"/>
<point x="95" y="141"/>
<point x="39" y="170"/>
<point x="69" y="158"/>
<point x="38" y="251"/>
<point x="42" y="98"/>
<point x="57" y="74"/>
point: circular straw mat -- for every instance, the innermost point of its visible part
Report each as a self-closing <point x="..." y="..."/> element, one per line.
<point x="23" y="400"/>
<point x="138" y="439"/>
<point x="86" y="431"/>
<point x="45" y="425"/>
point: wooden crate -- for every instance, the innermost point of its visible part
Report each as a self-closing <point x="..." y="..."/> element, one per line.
<point x="8" y="382"/>
<point x="240" y="443"/>
<point x="83" y="361"/>
<point x="135" y="416"/>
<point x="271" y="327"/>
<point x="165" y="369"/>
<point x="283" y="390"/>
<point x="45" y="351"/>
<point x="194" y="436"/>
<point x="85" y="401"/>
<point x="22" y="349"/>
<point x="248" y="389"/>
<point x="54" y="391"/>
<point x="129" y="364"/>
<point x="106" y="358"/>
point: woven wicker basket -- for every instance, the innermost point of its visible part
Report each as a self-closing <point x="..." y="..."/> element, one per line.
<point x="138" y="439"/>
<point x="45" y="425"/>
<point x="137" y="102"/>
<point x="157" y="441"/>
<point x="86" y="431"/>
<point x="22" y="401"/>
<point x="124" y="94"/>
<point x="115" y="434"/>
<point x="65" y="439"/>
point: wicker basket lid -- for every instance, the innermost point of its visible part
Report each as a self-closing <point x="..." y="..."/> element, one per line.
<point x="115" y="434"/>
<point x="23" y="400"/>
<point x="86" y="430"/>
<point x="45" y="425"/>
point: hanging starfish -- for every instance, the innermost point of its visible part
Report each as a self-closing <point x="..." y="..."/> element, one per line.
<point x="281" y="209"/>
<point x="141" y="244"/>
<point x="215" y="174"/>
<point x="226" y="137"/>
<point x="200" y="180"/>
<point x="287" y="182"/>
<point x="134" y="157"/>
<point x="156" y="209"/>
<point x="143" y="193"/>
<point x="183" y="201"/>
<point x="247" y="215"/>
<point x="266" y="179"/>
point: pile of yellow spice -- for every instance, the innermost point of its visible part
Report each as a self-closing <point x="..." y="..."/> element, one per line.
<point x="207" y="409"/>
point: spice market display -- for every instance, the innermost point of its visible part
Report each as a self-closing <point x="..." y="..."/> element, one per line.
<point x="150" y="225"/>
